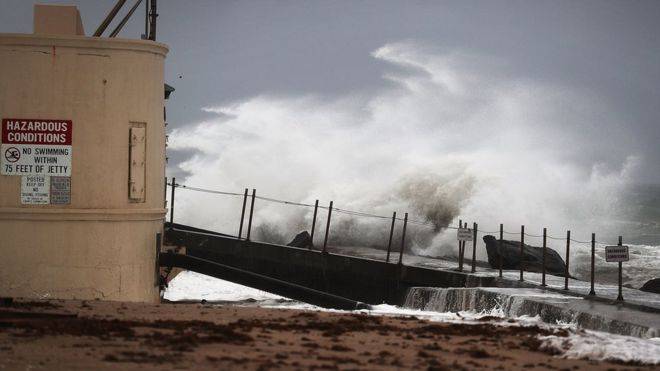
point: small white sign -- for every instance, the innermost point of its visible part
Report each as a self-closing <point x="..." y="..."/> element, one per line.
<point x="616" y="254"/>
<point x="464" y="234"/>
<point x="35" y="190"/>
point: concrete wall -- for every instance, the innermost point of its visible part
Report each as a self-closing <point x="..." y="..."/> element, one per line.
<point x="101" y="245"/>
<point x="57" y="19"/>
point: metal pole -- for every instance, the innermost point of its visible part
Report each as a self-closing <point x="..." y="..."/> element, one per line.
<point x="389" y="243"/>
<point x="620" y="297"/>
<point x="403" y="238"/>
<point x="499" y="247"/>
<point x="474" y="246"/>
<point x="568" y="257"/>
<point x="153" y="14"/>
<point x="172" y="203"/>
<point x="240" y="227"/>
<point x="146" y="19"/>
<point x="462" y="260"/>
<point x="460" y="244"/>
<point x="522" y="244"/>
<point x="254" y="194"/>
<point x="108" y="18"/>
<point x="327" y="230"/>
<point x="592" y="292"/>
<point x="545" y="247"/>
<point x="125" y="19"/>
<point x="316" y="209"/>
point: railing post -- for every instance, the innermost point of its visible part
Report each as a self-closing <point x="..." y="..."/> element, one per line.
<point x="240" y="227"/>
<point x="462" y="260"/>
<point x="592" y="292"/>
<point x="254" y="193"/>
<point x="522" y="245"/>
<point x="474" y="247"/>
<point x="499" y="247"/>
<point x="327" y="230"/>
<point x="316" y="209"/>
<point x="172" y="203"/>
<point x="545" y="247"/>
<point x="389" y="243"/>
<point x="568" y="257"/>
<point x="403" y="238"/>
<point x="620" y="297"/>
<point x="460" y="246"/>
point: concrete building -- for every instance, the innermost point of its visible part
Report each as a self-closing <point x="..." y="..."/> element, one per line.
<point x="82" y="193"/>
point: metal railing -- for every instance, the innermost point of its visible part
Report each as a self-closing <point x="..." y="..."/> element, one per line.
<point x="406" y="220"/>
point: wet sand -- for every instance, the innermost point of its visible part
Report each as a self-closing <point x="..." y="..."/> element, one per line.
<point x="106" y="335"/>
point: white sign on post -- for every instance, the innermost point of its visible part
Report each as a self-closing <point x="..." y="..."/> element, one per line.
<point x="36" y="147"/>
<point x="616" y="254"/>
<point x="464" y="234"/>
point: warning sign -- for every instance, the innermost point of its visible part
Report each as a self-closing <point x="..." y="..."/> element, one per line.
<point x="464" y="234"/>
<point x="45" y="190"/>
<point x="36" y="147"/>
<point x="60" y="190"/>
<point x="616" y="254"/>
<point x="35" y="190"/>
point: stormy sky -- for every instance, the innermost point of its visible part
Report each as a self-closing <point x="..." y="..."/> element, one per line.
<point x="226" y="52"/>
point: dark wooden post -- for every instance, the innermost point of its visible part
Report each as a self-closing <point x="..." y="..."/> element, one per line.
<point x="403" y="238"/>
<point x="620" y="297"/>
<point x="240" y="226"/>
<point x="389" y="243"/>
<point x="316" y="209"/>
<point x="545" y="247"/>
<point x="172" y="203"/>
<point x="327" y="230"/>
<point x="254" y="193"/>
<point x="522" y="244"/>
<point x="474" y="246"/>
<point x="568" y="257"/>
<point x="499" y="247"/>
<point x="592" y="292"/>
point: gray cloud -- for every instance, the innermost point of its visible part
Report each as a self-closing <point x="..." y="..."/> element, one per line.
<point x="231" y="50"/>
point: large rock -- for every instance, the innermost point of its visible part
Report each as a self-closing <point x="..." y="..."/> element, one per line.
<point x="532" y="257"/>
<point x="652" y="286"/>
<point x="302" y="239"/>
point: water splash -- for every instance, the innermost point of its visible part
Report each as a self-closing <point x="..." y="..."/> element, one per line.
<point x="454" y="135"/>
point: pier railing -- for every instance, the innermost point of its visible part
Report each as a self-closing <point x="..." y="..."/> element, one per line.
<point x="249" y="199"/>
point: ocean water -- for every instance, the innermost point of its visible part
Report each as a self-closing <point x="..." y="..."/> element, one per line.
<point x="584" y="344"/>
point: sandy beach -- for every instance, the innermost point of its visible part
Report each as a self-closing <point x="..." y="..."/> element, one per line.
<point x="113" y="335"/>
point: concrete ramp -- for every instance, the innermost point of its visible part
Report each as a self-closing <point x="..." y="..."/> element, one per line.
<point x="260" y="282"/>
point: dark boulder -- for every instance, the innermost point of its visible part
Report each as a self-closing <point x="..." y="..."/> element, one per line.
<point x="302" y="239"/>
<point x="652" y="286"/>
<point x="532" y="257"/>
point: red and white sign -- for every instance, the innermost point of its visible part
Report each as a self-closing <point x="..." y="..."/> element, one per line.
<point x="36" y="147"/>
